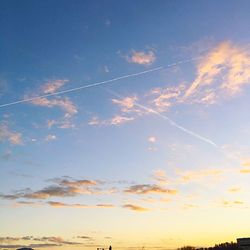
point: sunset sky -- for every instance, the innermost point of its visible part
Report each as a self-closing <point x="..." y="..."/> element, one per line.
<point x="124" y="123"/>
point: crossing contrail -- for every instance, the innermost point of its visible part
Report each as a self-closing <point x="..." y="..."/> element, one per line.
<point x="99" y="83"/>
<point x="170" y="121"/>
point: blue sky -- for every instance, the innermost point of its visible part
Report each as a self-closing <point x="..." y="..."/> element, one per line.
<point x="166" y="145"/>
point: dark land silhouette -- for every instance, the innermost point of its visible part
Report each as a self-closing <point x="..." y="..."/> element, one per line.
<point x="222" y="246"/>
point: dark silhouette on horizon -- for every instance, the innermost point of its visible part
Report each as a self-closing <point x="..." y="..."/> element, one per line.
<point x="222" y="246"/>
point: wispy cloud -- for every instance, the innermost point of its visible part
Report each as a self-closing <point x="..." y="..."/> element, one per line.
<point x="127" y="104"/>
<point x="115" y="120"/>
<point x="198" y="175"/>
<point x="51" y="241"/>
<point x="50" y="137"/>
<point x="141" y="57"/>
<point x="77" y="205"/>
<point x="227" y="203"/>
<point x="223" y="72"/>
<point x="62" y="188"/>
<point x="64" y="103"/>
<point x="234" y="189"/>
<point x="135" y="208"/>
<point x="6" y="134"/>
<point x="160" y="176"/>
<point x="165" y="97"/>
<point x="52" y="86"/>
<point x="148" y="188"/>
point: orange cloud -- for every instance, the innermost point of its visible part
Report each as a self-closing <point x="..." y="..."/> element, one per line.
<point x="52" y="86"/>
<point x="135" y="208"/>
<point x="224" y="71"/>
<point x="116" y="121"/>
<point x="77" y="205"/>
<point x="195" y="175"/>
<point x="147" y="189"/>
<point x="63" y="103"/>
<point x="8" y="135"/>
<point x="234" y="189"/>
<point x="127" y="104"/>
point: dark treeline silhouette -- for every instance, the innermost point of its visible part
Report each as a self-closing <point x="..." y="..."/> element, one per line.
<point x="222" y="246"/>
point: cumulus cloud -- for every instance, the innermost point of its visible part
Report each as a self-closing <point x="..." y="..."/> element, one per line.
<point x="6" y="134"/>
<point x="141" y="57"/>
<point x="148" y="188"/>
<point x="135" y="208"/>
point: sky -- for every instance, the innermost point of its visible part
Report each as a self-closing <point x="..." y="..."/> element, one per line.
<point x="124" y="123"/>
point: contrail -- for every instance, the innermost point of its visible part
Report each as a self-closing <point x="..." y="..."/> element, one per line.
<point x="172" y="122"/>
<point x="100" y="83"/>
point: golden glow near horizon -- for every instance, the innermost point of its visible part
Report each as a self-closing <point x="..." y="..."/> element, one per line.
<point x="131" y="132"/>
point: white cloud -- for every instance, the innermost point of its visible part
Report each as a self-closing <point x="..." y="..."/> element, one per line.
<point x="50" y="137"/>
<point x="152" y="139"/>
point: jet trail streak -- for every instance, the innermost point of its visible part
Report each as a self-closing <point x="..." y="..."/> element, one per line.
<point x="99" y="83"/>
<point x="171" y="122"/>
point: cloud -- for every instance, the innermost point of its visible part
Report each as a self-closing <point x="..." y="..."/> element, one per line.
<point x="197" y="175"/>
<point x="223" y="72"/>
<point x="135" y="208"/>
<point x="245" y="171"/>
<point x="152" y="139"/>
<point x="127" y="104"/>
<point x="63" y="103"/>
<point x="141" y="57"/>
<point x="57" y="240"/>
<point x="164" y="98"/>
<point x="47" y="242"/>
<point x="234" y="190"/>
<point x="77" y="205"/>
<point x="147" y="189"/>
<point x="84" y="237"/>
<point x="189" y="206"/>
<point x="6" y="134"/>
<point x="63" y="188"/>
<point x="50" y="138"/>
<point x="115" y="121"/>
<point x="118" y="119"/>
<point x="160" y="176"/>
<point x="52" y="86"/>
<point x="232" y="203"/>
<point x="245" y="163"/>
